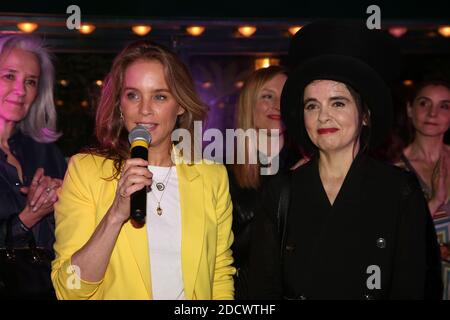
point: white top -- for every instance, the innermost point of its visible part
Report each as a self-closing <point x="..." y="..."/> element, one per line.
<point x="164" y="236"/>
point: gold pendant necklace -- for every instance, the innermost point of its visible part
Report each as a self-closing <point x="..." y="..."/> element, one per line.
<point x="159" y="210"/>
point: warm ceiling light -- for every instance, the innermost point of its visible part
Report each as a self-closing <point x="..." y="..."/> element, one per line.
<point x="206" y="85"/>
<point x="266" y="62"/>
<point x="239" y="84"/>
<point x="27" y="27"/>
<point x="444" y="31"/>
<point x="59" y="103"/>
<point x="99" y="83"/>
<point x="87" y="28"/>
<point x="408" y="83"/>
<point x="294" y="29"/>
<point x="247" y="31"/>
<point x="398" y="31"/>
<point x="64" y="83"/>
<point x="141" y="30"/>
<point x="195" y="30"/>
<point x="84" y="104"/>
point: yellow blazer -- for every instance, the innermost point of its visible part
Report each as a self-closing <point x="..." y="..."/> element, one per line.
<point x="206" y="237"/>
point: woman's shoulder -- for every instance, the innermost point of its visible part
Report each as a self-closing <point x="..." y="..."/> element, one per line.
<point x="35" y="146"/>
<point x="392" y="176"/>
<point x="86" y="158"/>
<point x="42" y="154"/>
<point x="89" y="164"/>
<point x="210" y="168"/>
<point x="304" y="170"/>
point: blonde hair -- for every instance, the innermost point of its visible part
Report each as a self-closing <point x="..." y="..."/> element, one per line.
<point x="247" y="174"/>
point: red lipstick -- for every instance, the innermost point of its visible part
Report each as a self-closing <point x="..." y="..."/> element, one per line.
<point x="274" y="116"/>
<point x="327" y="130"/>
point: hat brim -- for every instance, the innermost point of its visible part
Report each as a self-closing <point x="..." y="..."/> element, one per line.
<point x="350" y="71"/>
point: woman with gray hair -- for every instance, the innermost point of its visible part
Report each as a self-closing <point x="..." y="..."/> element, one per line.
<point x="31" y="166"/>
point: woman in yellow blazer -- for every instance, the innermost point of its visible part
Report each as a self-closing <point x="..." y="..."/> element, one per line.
<point x="183" y="250"/>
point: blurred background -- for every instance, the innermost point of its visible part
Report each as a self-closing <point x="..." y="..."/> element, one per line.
<point x="221" y="42"/>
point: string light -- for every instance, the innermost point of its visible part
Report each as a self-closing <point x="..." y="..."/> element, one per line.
<point x="206" y="85"/>
<point x="87" y="28"/>
<point x="294" y="29"/>
<point x="408" y="82"/>
<point x="247" y="31"/>
<point x="266" y="62"/>
<point x="398" y="31"/>
<point x="239" y="84"/>
<point x="444" y="31"/>
<point x="27" y="27"/>
<point x="141" y="30"/>
<point x="195" y="30"/>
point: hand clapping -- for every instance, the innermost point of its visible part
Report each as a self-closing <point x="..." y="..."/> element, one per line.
<point x="41" y="197"/>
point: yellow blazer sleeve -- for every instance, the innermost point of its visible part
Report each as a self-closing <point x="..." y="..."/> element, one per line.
<point x="75" y="218"/>
<point x="223" y="286"/>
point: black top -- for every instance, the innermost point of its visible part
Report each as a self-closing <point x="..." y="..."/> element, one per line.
<point x="31" y="155"/>
<point x="244" y="204"/>
<point x="379" y="225"/>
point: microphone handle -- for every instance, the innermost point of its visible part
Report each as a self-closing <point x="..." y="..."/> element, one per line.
<point x="138" y="201"/>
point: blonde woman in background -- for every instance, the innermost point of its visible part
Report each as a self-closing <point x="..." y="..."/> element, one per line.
<point x="258" y="108"/>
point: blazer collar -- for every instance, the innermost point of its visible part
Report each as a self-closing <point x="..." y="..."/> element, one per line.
<point x="192" y="223"/>
<point x="192" y="230"/>
<point x="352" y="188"/>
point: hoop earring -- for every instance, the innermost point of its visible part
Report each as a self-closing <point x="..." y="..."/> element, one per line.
<point x="366" y="118"/>
<point x="121" y="115"/>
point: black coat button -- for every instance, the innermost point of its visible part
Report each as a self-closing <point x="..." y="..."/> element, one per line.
<point x="381" y="243"/>
<point x="290" y="247"/>
<point x="368" y="297"/>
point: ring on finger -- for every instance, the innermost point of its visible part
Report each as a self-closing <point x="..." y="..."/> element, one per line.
<point x="48" y="190"/>
<point x="123" y="194"/>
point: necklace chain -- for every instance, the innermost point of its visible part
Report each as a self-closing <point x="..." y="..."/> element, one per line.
<point x="159" y="210"/>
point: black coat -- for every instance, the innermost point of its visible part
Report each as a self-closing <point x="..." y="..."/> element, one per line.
<point x="245" y="202"/>
<point x="379" y="224"/>
<point x="31" y="155"/>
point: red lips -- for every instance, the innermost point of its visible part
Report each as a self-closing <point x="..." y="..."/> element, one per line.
<point x="327" y="130"/>
<point x="274" y="116"/>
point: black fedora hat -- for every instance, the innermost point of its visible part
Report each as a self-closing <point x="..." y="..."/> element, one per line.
<point x="347" y="52"/>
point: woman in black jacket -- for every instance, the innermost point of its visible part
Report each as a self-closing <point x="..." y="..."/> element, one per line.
<point x="258" y="108"/>
<point x="31" y="166"/>
<point x="356" y="228"/>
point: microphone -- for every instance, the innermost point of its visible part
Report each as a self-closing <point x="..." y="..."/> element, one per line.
<point x="139" y="138"/>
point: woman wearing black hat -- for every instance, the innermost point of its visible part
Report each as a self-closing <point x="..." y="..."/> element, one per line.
<point x="356" y="228"/>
